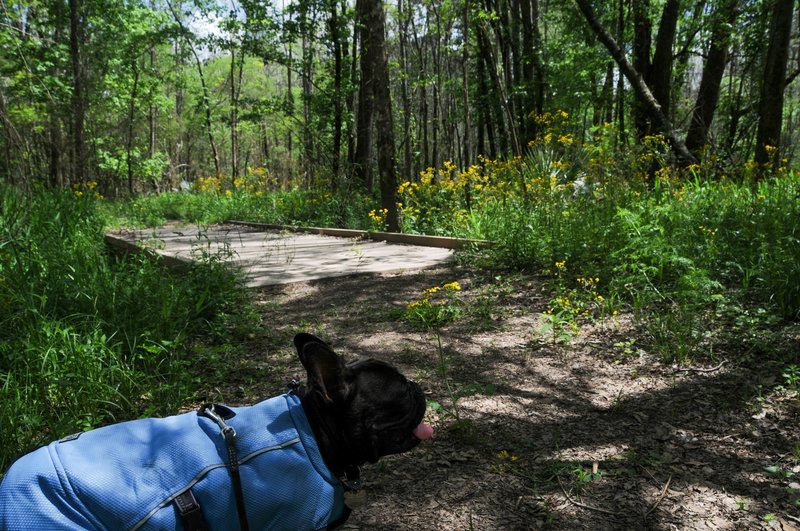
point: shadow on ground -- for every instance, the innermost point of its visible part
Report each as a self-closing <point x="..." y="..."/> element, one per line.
<point x="595" y="436"/>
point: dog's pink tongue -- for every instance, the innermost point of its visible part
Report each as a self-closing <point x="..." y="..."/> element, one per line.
<point x="423" y="431"/>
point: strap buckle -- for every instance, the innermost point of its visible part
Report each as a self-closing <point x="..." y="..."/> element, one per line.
<point x="189" y="512"/>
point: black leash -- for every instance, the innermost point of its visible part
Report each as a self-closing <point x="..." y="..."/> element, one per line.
<point x="211" y="411"/>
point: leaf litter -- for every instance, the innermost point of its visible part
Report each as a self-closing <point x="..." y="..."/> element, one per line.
<point x="598" y="434"/>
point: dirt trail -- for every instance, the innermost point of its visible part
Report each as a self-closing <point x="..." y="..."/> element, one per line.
<point x="601" y="435"/>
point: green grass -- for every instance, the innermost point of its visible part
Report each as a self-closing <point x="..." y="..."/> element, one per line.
<point x="87" y="338"/>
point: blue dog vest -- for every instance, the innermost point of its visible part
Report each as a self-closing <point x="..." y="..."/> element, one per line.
<point x="126" y="476"/>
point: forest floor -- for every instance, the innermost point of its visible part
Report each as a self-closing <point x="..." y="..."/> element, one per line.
<point x="601" y="434"/>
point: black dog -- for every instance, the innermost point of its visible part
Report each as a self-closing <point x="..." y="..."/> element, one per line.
<point x="282" y="464"/>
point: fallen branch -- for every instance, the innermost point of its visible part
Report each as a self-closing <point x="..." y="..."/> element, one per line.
<point x="579" y="504"/>
<point x="693" y="369"/>
<point x="661" y="497"/>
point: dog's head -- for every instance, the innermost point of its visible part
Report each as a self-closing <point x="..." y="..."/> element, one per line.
<point x="359" y="411"/>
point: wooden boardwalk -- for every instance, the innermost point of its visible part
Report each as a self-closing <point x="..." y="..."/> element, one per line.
<point x="268" y="256"/>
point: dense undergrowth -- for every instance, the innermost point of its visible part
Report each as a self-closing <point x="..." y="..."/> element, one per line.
<point x="707" y="257"/>
<point x="704" y="258"/>
<point x="650" y="232"/>
<point x="704" y="255"/>
<point x="87" y="338"/>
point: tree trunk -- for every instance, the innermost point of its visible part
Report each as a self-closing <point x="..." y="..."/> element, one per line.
<point x="467" y="147"/>
<point x="536" y="56"/>
<point x="403" y="30"/>
<point x="656" y="73"/>
<point x="605" y="104"/>
<point x="708" y="93"/>
<point x="152" y="110"/>
<point x="422" y="83"/>
<point x="77" y="30"/>
<point x="337" y="94"/>
<point x="351" y="95"/>
<point x="384" y="126"/>
<point x="234" y="116"/>
<point x="660" y="78"/>
<point x="640" y="88"/>
<point x="131" y="119"/>
<point x="308" y="137"/>
<point x="151" y="137"/>
<point x="366" y="101"/>
<point x="770" y="108"/>
<point x="620" y="96"/>
<point x="642" y="43"/>
<point x="486" y="104"/>
<point x="182" y="164"/>
<point x="528" y="73"/>
<point x="290" y="107"/>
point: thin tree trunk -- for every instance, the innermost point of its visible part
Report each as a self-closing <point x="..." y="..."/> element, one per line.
<point x="364" y="119"/>
<point x="467" y="151"/>
<point x="708" y="94"/>
<point x="403" y="22"/>
<point x="337" y="93"/>
<point x="538" y="67"/>
<point x="640" y="53"/>
<point x="528" y="80"/>
<point x="77" y="26"/>
<point x="308" y="137"/>
<point x="770" y="108"/>
<point x="351" y="95"/>
<point x="660" y="78"/>
<point x="151" y="142"/>
<point x="179" y="151"/>
<point x="234" y="117"/>
<point x="290" y="106"/>
<point x="488" y="104"/>
<point x="131" y="117"/>
<point x="606" y="104"/>
<point x="152" y="110"/>
<point x="422" y="83"/>
<point x="620" y="96"/>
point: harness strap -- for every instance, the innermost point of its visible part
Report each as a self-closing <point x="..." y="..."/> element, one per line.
<point x="230" y="436"/>
<point x="229" y="433"/>
<point x="189" y="512"/>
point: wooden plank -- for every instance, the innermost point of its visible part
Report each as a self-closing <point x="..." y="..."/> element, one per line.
<point x="122" y="247"/>
<point x="392" y="237"/>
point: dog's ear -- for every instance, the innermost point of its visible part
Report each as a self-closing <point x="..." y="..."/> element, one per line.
<point x="325" y="369"/>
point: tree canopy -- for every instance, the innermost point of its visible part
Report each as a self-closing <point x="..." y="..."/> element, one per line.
<point x="140" y="96"/>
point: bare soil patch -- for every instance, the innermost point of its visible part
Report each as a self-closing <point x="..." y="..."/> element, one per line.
<point x="598" y="435"/>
